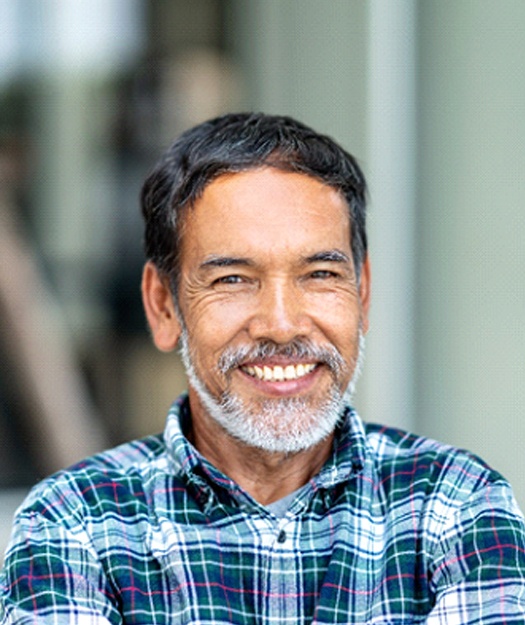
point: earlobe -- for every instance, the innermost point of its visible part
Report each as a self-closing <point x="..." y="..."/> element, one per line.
<point x="160" y="309"/>
<point x="364" y="293"/>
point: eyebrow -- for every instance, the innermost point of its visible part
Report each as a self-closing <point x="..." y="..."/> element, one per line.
<point x="331" y="256"/>
<point x="225" y="261"/>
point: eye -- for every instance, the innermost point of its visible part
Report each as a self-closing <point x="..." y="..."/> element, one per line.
<point x="233" y="279"/>
<point x="323" y="274"/>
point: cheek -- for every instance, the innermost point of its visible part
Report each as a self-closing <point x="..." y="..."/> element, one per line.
<point x="340" y="327"/>
<point x="213" y="329"/>
<point x="341" y="314"/>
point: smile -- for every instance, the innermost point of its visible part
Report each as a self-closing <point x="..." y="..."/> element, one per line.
<point x="278" y="373"/>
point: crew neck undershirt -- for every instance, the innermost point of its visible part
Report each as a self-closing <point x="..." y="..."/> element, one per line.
<point x="280" y="507"/>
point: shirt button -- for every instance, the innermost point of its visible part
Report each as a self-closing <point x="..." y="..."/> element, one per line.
<point x="281" y="538"/>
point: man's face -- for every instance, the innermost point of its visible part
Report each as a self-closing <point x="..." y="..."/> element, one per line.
<point x="270" y="306"/>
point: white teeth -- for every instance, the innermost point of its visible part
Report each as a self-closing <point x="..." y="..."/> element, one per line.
<point x="289" y="372"/>
<point x="279" y="373"/>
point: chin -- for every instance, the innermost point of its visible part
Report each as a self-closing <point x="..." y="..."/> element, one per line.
<point x="289" y="425"/>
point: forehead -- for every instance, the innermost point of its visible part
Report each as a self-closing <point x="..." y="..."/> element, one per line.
<point x="268" y="207"/>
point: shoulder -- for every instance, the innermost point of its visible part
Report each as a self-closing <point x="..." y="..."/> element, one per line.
<point x="427" y="469"/>
<point x="116" y="478"/>
<point x="396" y="450"/>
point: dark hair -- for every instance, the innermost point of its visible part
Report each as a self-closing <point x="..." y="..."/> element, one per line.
<point x="239" y="142"/>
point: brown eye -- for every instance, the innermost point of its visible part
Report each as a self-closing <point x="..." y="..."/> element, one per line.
<point x="234" y="279"/>
<point x="322" y="274"/>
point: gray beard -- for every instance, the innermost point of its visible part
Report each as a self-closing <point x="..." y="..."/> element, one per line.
<point x="285" y="425"/>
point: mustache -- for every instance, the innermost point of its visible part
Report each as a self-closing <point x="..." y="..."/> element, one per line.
<point x="298" y="349"/>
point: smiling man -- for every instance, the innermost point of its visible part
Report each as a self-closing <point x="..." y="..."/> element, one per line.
<point x="267" y="499"/>
<point x="270" y="311"/>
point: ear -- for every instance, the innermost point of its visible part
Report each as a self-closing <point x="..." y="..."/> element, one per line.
<point x="160" y="309"/>
<point x="364" y="293"/>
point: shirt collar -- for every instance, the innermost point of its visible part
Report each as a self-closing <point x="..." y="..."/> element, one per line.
<point x="347" y="459"/>
<point x="349" y="451"/>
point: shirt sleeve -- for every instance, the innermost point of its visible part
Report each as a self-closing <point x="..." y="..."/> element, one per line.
<point x="478" y="570"/>
<point x="52" y="575"/>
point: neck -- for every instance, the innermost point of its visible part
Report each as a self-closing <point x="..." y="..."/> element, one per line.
<point x="266" y="476"/>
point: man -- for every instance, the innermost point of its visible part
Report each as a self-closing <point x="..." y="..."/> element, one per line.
<point x="267" y="500"/>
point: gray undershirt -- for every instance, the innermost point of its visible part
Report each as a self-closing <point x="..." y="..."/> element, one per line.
<point x="280" y="507"/>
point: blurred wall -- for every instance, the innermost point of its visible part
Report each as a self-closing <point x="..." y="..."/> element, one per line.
<point x="471" y="220"/>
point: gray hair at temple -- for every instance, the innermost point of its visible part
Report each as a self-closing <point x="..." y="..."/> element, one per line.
<point x="239" y="142"/>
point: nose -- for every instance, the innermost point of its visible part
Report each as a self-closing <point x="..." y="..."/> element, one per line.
<point x="281" y="314"/>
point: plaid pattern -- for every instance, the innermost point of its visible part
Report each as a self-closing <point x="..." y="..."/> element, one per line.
<point x="394" y="529"/>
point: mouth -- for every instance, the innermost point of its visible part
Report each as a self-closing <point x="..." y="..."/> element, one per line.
<point x="279" y="373"/>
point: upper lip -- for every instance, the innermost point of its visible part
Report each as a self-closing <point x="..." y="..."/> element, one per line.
<point x="275" y="361"/>
<point x="279" y="372"/>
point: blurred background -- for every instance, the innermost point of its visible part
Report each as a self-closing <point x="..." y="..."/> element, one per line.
<point x="428" y="95"/>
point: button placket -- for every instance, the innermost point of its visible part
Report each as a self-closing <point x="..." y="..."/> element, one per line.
<point x="280" y="599"/>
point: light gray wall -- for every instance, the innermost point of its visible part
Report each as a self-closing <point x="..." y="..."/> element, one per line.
<point x="306" y="59"/>
<point x="471" y="215"/>
<point x="9" y="502"/>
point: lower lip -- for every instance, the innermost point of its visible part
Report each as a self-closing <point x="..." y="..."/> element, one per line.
<point x="285" y="387"/>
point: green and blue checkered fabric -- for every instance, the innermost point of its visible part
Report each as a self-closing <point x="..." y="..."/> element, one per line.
<point x="394" y="530"/>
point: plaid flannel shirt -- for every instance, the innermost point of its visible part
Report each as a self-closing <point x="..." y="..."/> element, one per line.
<point x="394" y="529"/>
